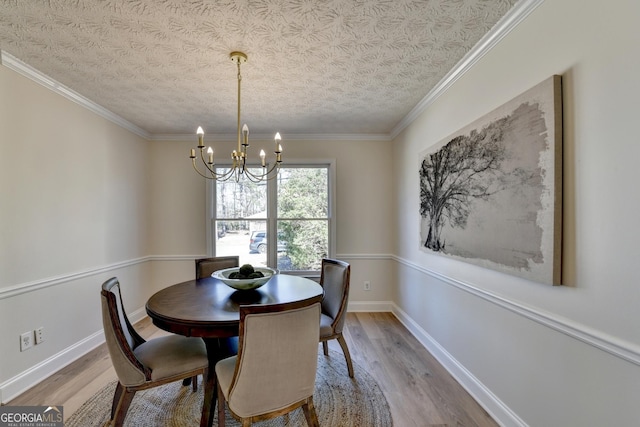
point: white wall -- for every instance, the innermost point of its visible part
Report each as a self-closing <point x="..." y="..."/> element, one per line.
<point x="363" y="185"/>
<point x="73" y="208"/>
<point x="535" y="354"/>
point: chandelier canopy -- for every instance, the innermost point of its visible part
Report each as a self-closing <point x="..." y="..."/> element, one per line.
<point x="239" y="166"/>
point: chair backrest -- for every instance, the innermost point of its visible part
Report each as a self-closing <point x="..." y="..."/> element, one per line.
<point x="121" y="337"/>
<point x="277" y="356"/>
<point x="206" y="266"/>
<point x="334" y="279"/>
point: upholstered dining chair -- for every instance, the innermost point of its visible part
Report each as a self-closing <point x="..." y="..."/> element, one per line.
<point x="334" y="278"/>
<point x="274" y="371"/>
<point x="206" y="266"/>
<point x="141" y="364"/>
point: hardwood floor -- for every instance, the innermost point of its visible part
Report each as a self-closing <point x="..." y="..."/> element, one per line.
<point x="419" y="390"/>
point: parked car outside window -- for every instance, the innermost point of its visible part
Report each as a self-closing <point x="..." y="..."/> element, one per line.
<point x="258" y="243"/>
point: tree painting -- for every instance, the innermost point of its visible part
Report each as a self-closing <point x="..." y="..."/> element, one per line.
<point x="491" y="193"/>
<point x="464" y="169"/>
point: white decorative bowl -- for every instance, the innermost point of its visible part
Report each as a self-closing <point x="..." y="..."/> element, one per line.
<point x="244" y="284"/>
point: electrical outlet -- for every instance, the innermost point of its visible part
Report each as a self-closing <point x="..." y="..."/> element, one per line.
<point x="26" y="341"/>
<point x="39" y="335"/>
<point x="367" y="285"/>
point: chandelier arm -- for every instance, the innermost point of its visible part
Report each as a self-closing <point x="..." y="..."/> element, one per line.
<point x="271" y="175"/>
<point x="264" y="175"/>
<point x="255" y="179"/>
<point x="226" y="175"/>
<point x="211" y="168"/>
<point x="206" y="165"/>
<point x="200" y="173"/>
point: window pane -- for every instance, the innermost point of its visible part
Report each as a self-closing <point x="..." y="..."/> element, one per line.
<point x="303" y="193"/>
<point x="243" y="199"/>
<point x="303" y="226"/>
<point x="241" y="209"/>
<point x="305" y="243"/>
<point x="243" y="238"/>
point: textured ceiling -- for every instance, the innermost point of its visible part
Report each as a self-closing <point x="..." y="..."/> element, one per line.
<point x="315" y="66"/>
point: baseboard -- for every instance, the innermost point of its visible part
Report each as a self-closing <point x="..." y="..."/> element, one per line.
<point x="370" y="306"/>
<point x="490" y="402"/>
<point x="34" y="375"/>
<point x="22" y="382"/>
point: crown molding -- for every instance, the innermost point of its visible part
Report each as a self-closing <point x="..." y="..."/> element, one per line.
<point x="508" y="22"/>
<point x="28" y="71"/>
<point x="217" y="137"/>
<point x="503" y="27"/>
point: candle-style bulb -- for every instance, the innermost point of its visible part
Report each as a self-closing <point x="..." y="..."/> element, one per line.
<point x="277" y="140"/>
<point x="200" y="134"/>
<point x="279" y="148"/>
<point x="210" y="153"/>
<point x="245" y="133"/>
<point x="262" y="157"/>
<point x="209" y="150"/>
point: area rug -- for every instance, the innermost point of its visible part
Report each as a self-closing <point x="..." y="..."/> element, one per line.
<point x="340" y="401"/>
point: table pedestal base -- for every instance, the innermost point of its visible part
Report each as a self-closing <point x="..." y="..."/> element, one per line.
<point x="217" y="349"/>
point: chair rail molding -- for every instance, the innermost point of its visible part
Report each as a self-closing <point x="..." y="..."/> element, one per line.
<point x="625" y="350"/>
<point x="36" y="285"/>
<point x="12" y="291"/>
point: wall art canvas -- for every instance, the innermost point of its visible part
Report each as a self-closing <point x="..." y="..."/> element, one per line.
<point x="491" y="194"/>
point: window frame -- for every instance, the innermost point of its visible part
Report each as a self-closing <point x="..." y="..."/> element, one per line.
<point x="272" y="204"/>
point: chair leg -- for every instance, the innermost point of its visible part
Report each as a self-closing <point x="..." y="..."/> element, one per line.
<point x="347" y="355"/>
<point x="123" y="407"/>
<point x="194" y="383"/>
<point x="310" y="413"/>
<point x="325" y="348"/>
<point x="116" y="399"/>
<point x="221" y="403"/>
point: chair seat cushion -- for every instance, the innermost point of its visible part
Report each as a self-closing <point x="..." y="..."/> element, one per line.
<point x="325" y="325"/>
<point x="172" y="355"/>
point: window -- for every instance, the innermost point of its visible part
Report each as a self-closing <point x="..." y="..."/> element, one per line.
<point x="296" y="207"/>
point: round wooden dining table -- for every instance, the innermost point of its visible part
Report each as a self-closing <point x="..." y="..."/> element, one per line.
<point x="209" y="309"/>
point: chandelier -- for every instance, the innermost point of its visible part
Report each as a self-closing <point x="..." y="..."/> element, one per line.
<point x="239" y="166"/>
